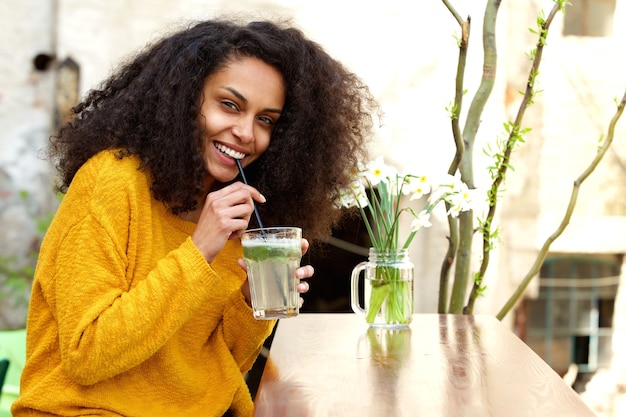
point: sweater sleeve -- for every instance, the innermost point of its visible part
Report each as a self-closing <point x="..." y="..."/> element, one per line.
<point x="106" y="328"/>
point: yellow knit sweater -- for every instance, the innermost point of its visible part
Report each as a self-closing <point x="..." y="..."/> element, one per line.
<point x="126" y="317"/>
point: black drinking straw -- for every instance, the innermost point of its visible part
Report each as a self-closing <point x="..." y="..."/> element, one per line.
<point x="245" y="181"/>
<point x="258" y="219"/>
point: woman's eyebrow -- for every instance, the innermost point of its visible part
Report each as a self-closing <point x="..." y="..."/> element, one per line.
<point x="236" y="94"/>
<point x="245" y="100"/>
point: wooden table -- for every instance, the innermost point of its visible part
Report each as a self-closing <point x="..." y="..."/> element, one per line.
<point x="324" y="365"/>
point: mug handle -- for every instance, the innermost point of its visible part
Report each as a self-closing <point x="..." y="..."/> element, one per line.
<point x="354" y="283"/>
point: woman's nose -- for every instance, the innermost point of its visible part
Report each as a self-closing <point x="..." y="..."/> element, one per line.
<point x="244" y="130"/>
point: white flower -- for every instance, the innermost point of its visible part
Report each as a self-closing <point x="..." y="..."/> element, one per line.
<point x="417" y="186"/>
<point x="355" y="196"/>
<point x="381" y="214"/>
<point x="422" y="220"/>
<point x="360" y="194"/>
<point x="454" y="211"/>
<point x="377" y="171"/>
<point x="460" y="200"/>
<point x="465" y="195"/>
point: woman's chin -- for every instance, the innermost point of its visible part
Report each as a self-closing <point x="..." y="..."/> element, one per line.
<point x="223" y="176"/>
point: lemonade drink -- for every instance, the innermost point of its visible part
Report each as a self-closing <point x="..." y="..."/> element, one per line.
<point x="272" y="260"/>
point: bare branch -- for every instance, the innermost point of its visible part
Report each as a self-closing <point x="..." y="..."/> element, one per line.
<point x="453" y="240"/>
<point x="568" y="213"/>
<point x="456" y="15"/>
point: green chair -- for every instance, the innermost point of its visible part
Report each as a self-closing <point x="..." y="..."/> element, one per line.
<point x="4" y="366"/>
<point x="13" y="349"/>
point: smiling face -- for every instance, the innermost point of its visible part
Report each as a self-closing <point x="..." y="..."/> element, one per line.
<point x="241" y="103"/>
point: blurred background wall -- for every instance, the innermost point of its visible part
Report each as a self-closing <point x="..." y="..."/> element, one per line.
<point x="53" y="51"/>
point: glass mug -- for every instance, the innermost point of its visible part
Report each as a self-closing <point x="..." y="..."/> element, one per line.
<point x="388" y="288"/>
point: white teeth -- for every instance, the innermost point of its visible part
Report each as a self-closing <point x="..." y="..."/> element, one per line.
<point x="230" y="152"/>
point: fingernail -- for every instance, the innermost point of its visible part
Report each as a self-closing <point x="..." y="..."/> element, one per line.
<point x="263" y="199"/>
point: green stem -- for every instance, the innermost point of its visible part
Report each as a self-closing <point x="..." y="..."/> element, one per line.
<point x="389" y="291"/>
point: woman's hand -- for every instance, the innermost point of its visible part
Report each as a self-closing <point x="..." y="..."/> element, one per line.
<point x="303" y="272"/>
<point x="225" y="215"/>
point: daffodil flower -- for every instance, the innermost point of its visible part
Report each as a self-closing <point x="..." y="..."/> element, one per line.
<point x="377" y="171"/>
<point x="355" y="196"/>
<point x="460" y="200"/>
<point x="416" y="186"/>
<point x="421" y="220"/>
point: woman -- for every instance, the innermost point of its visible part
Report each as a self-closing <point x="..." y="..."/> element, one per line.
<point x="140" y="305"/>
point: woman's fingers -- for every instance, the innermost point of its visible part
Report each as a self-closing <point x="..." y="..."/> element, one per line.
<point x="305" y="246"/>
<point x="238" y="185"/>
<point x="303" y="287"/>
<point x="225" y="215"/>
<point x="304" y="272"/>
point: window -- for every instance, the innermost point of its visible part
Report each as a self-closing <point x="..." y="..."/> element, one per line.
<point x="589" y="18"/>
<point x="571" y="319"/>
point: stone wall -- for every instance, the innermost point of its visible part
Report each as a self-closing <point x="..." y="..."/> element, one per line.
<point x="25" y="114"/>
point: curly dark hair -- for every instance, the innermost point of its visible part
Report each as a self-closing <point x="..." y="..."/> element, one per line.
<point x="149" y="108"/>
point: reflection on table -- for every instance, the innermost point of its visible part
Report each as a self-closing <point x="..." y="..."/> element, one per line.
<point x="443" y="365"/>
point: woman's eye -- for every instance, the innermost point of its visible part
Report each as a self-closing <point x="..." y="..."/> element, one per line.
<point x="230" y="105"/>
<point x="266" y="120"/>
